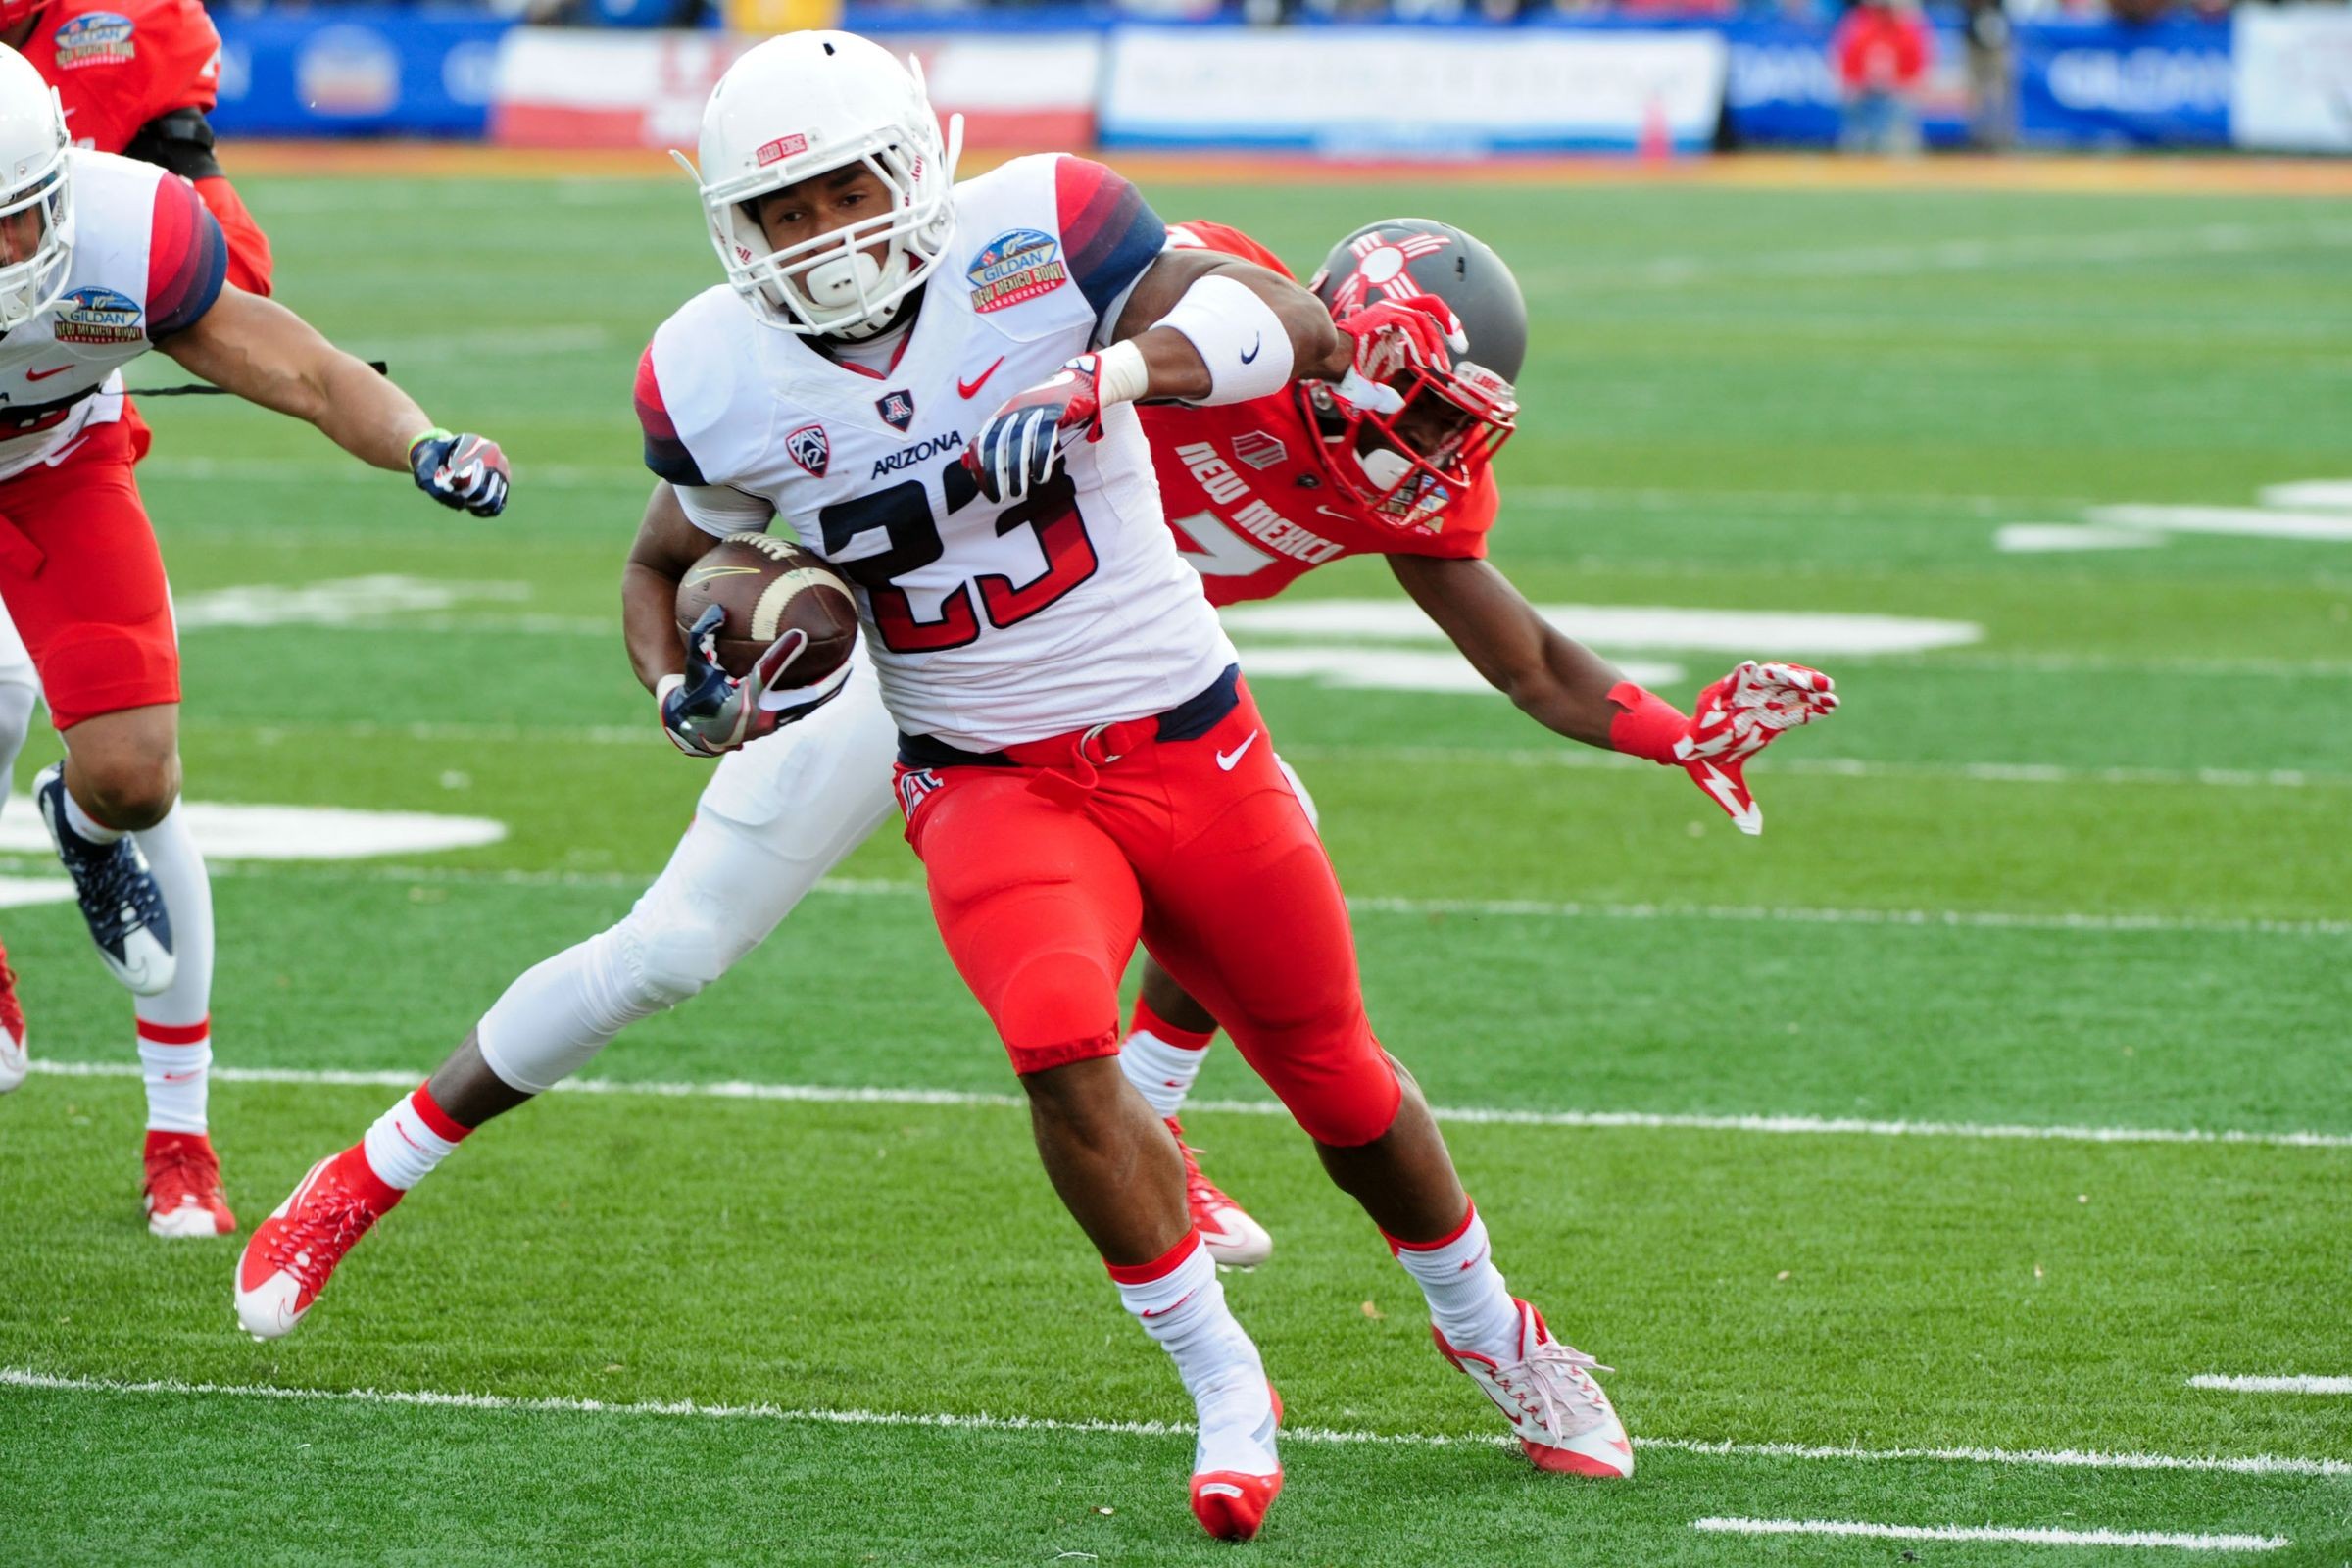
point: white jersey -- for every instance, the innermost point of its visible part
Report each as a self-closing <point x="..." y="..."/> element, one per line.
<point x="989" y="624"/>
<point x="148" y="260"/>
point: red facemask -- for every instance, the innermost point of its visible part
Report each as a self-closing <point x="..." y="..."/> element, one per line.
<point x="1408" y="467"/>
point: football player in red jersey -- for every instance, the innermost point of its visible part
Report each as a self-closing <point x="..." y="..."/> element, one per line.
<point x="103" y="258"/>
<point x="135" y="78"/>
<point x="1260" y="493"/>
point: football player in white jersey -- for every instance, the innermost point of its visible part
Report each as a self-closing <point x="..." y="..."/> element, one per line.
<point x="101" y="259"/>
<point x="1078" y="761"/>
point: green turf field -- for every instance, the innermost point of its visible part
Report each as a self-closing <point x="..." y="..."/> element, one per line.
<point x="2072" y="877"/>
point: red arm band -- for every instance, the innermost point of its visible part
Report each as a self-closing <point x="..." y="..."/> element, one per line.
<point x="249" y="257"/>
<point x="1650" y="725"/>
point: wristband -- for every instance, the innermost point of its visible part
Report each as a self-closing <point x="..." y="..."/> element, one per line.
<point x="437" y="433"/>
<point x="1237" y="336"/>
<point x="664" y="687"/>
<point x="1121" y="374"/>
<point x="1648" y="727"/>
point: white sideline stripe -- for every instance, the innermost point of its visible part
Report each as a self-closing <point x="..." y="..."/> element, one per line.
<point x="2033" y="1536"/>
<point x="2062" y="1459"/>
<point x="2294" y="1384"/>
<point x="1468" y="1115"/>
<point x="1496" y="909"/>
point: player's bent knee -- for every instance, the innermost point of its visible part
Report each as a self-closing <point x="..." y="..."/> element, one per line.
<point x="1343" y="1093"/>
<point x="667" y="965"/>
<point x="1057" y="1008"/>
<point x="130" y="792"/>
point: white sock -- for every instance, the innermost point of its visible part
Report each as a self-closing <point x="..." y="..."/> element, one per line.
<point x="177" y="1072"/>
<point x="408" y="1140"/>
<point x="84" y="826"/>
<point x="1468" y="1301"/>
<point x="182" y="1015"/>
<point x="1184" y="1308"/>
<point x="1161" y="1072"/>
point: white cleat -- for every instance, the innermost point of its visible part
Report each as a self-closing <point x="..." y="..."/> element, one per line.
<point x="1233" y="1239"/>
<point x="1558" y="1413"/>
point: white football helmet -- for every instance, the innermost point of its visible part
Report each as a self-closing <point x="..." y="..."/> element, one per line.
<point x="34" y="180"/>
<point x="805" y="104"/>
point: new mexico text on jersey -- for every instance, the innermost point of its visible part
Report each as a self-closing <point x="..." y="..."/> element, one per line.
<point x="1077" y="585"/>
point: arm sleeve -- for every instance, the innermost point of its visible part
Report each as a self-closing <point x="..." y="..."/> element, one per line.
<point x="187" y="259"/>
<point x="1109" y="234"/>
<point x="664" y="451"/>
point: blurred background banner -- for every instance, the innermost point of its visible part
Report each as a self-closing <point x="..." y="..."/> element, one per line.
<point x="2263" y="76"/>
<point x="2162" y="83"/>
<point x="1389" y="90"/>
<point x="2292" y="91"/>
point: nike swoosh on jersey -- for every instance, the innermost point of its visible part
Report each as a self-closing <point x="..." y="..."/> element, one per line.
<point x="43" y="375"/>
<point x="1227" y="760"/>
<point x="971" y="388"/>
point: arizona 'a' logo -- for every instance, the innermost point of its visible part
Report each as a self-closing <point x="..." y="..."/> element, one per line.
<point x="809" y="447"/>
<point x="897" y="409"/>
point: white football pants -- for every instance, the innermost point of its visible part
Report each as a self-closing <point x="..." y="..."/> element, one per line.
<point x="20" y="689"/>
<point x="777" y="815"/>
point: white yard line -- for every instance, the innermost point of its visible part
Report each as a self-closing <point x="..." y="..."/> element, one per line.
<point x="1412" y="908"/>
<point x="2029" y="1534"/>
<point x="2289" y="1385"/>
<point x="2068" y="1459"/>
<point x="1460" y="1115"/>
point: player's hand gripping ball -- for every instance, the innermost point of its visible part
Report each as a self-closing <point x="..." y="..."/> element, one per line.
<point x="1739" y="716"/>
<point x="769" y="630"/>
<point x="1019" y="446"/>
<point x="460" y="470"/>
<point x="1391" y="337"/>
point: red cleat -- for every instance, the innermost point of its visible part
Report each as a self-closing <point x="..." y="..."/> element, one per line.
<point x="182" y="1191"/>
<point x="1232" y="1505"/>
<point x="296" y="1249"/>
<point x="1232" y="1236"/>
<point x="14" y="1063"/>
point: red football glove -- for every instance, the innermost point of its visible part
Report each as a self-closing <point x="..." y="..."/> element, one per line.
<point x="1019" y="446"/>
<point x="1393" y="337"/>
<point x="1734" y="719"/>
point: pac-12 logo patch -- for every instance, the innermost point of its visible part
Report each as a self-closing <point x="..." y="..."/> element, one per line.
<point x="1259" y="448"/>
<point x="95" y="38"/>
<point x="808" y="447"/>
<point x="1019" y="265"/>
<point x="897" y="409"/>
<point x="96" y="315"/>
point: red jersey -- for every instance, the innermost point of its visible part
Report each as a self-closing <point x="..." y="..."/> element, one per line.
<point x="1249" y="487"/>
<point x="118" y="63"/>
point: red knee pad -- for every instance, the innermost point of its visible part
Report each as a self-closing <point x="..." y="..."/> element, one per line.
<point x="1344" y="1094"/>
<point x="1053" y="1008"/>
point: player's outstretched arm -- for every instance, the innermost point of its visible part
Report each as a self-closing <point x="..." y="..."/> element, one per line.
<point x="268" y="355"/>
<point x="1554" y="679"/>
<point x="1566" y="687"/>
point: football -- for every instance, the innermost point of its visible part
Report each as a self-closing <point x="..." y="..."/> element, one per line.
<point x="769" y="586"/>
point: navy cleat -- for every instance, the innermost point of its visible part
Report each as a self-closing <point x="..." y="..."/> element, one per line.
<point x="119" y="900"/>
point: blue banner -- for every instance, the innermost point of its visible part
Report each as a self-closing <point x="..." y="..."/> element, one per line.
<point x="363" y="71"/>
<point x="2090" y="83"/>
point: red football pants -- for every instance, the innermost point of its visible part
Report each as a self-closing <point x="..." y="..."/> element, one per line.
<point x="1043" y="875"/>
<point x="83" y="580"/>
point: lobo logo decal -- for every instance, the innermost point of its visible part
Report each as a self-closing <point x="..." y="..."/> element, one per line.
<point x="783" y="147"/>
<point x="95" y="38"/>
<point x="97" y="316"/>
<point x="809" y="447"/>
<point x="1380" y="264"/>
<point x="1259" y="448"/>
<point x="897" y="409"/>
<point x="1019" y="265"/>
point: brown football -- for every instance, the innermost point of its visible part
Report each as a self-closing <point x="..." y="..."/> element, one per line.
<point x="769" y="586"/>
